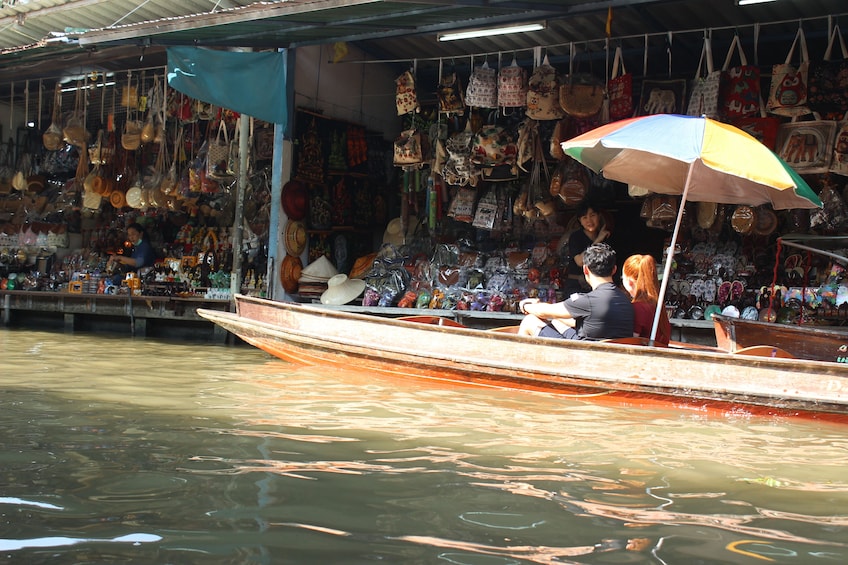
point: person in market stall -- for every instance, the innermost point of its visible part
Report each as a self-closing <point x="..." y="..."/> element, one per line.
<point x="639" y="277"/>
<point x="142" y="254"/>
<point x="593" y="229"/>
<point x="604" y="312"/>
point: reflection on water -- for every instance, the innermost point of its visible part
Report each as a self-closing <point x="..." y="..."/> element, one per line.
<point x="118" y="450"/>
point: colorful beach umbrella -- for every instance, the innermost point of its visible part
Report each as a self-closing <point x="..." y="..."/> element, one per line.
<point x="697" y="158"/>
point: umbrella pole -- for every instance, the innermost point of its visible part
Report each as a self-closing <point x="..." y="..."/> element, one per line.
<point x="670" y="256"/>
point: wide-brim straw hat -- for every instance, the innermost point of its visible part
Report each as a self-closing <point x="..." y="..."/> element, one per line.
<point x="362" y="266"/>
<point x="765" y="221"/>
<point x="321" y="269"/>
<point x="295" y="237"/>
<point x="295" y="200"/>
<point x="394" y="231"/>
<point x="290" y="271"/>
<point x="118" y="199"/>
<point x="341" y="290"/>
<point x="133" y="197"/>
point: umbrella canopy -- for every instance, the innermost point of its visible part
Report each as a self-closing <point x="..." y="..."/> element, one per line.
<point x="728" y="165"/>
<point x="698" y="158"/>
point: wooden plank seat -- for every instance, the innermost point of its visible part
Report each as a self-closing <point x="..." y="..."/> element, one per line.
<point x="435" y="320"/>
<point x="764" y="351"/>
<point x="635" y="340"/>
<point x="505" y="329"/>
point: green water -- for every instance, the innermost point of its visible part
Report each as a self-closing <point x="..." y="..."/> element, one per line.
<point x="119" y="450"/>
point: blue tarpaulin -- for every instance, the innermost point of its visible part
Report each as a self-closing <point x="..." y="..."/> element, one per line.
<point x="245" y="82"/>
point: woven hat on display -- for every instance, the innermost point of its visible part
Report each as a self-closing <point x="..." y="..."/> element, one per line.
<point x="362" y="266"/>
<point x="707" y="214"/>
<point x="295" y="199"/>
<point x="295" y="237"/>
<point x="341" y="290"/>
<point x="394" y="231"/>
<point x="290" y="273"/>
<point x="321" y="269"/>
<point x="742" y="220"/>
<point x="118" y="199"/>
<point x="765" y="222"/>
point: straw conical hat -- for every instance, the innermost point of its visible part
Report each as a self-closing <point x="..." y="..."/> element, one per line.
<point x="320" y="268"/>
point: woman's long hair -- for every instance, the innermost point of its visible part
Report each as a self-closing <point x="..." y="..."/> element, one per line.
<point x="642" y="269"/>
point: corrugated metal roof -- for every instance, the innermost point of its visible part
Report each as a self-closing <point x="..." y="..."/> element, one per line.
<point x="42" y="38"/>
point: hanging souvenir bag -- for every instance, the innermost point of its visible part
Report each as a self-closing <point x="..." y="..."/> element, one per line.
<point x="512" y="86"/>
<point x="52" y="137"/>
<point x="807" y="147"/>
<point x="405" y="97"/>
<point x="543" y="93"/>
<point x="493" y="146"/>
<point x="788" y="92"/>
<point x="409" y="149"/>
<point x="839" y="164"/>
<point x="482" y="87"/>
<point x="488" y="210"/>
<point x="704" y="98"/>
<point x="218" y="154"/>
<point x="74" y="132"/>
<point x="739" y="94"/>
<point x="828" y="92"/>
<point x="620" y="89"/>
<point x="763" y="128"/>
<point x="450" y="94"/>
<point x="458" y="169"/>
<point x="461" y="207"/>
<point x="574" y="183"/>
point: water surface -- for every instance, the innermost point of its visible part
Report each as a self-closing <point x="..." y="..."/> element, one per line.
<point x="120" y="450"/>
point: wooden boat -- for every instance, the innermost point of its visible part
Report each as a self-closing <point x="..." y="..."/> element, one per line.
<point x="312" y="334"/>
<point x="805" y="342"/>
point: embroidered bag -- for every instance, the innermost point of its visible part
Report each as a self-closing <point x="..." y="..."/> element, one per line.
<point x="620" y="89"/>
<point x="461" y="207"/>
<point x="405" y="97"/>
<point x="409" y="149"/>
<point x="450" y="94"/>
<point x="493" y="146"/>
<point x="828" y="92"/>
<point x="807" y="147"/>
<point x="543" y="93"/>
<point x="839" y="164"/>
<point x="458" y="169"/>
<point x="662" y="97"/>
<point x="788" y="92"/>
<point x="704" y="98"/>
<point x="763" y="129"/>
<point x="482" y="87"/>
<point x="512" y="86"/>
<point x="739" y="93"/>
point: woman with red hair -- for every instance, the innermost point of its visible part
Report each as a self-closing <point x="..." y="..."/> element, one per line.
<point x="639" y="276"/>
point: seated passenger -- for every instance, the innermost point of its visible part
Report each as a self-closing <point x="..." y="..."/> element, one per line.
<point x="604" y="312"/>
<point x="639" y="276"/>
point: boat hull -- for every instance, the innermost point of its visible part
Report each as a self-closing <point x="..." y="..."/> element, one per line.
<point x="314" y="335"/>
<point x="804" y="342"/>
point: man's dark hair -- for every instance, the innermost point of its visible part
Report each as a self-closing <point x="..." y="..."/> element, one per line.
<point x="599" y="258"/>
<point x="137" y="227"/>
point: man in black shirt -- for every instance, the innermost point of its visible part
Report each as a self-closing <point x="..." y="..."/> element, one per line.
<point x="604" y="312"/>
